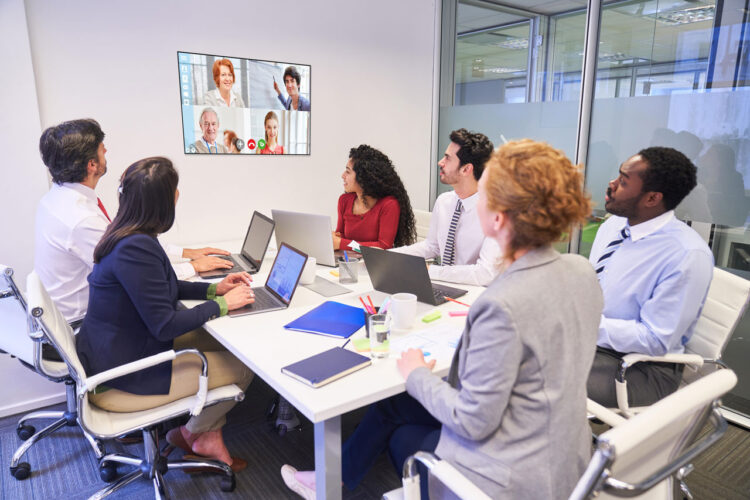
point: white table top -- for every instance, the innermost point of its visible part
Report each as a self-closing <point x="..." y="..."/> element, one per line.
<point x="262" y="343"/>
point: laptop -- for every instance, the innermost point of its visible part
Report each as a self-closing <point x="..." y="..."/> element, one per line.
<point x="392" y="272"/>
<point x="253" y="250"/>
<point x="280" y="285"/>
<point x="309" y="232"/>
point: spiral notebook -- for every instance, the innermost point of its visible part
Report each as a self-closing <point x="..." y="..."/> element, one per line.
<point x="327" y="366"/>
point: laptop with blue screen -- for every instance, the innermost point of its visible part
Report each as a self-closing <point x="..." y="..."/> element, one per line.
<point x="280" y="285"/>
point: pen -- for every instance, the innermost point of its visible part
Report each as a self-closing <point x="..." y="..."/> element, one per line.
<point x="457" y="302"/>
<point x="374" y="311"/>
<point x="365" y="305"/>
<point x="347" y="341"/>
<point x="346" y="256"/>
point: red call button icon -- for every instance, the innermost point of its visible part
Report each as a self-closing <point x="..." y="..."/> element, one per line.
<point x="251" y="144"/>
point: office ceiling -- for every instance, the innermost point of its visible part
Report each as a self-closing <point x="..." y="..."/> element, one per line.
<point x="641" y="31"/>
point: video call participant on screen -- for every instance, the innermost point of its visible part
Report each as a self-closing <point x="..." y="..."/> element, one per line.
<point x="222" y="95"/>
<point x="133" y="314"/>
<point x="294" y="101"/>
<point x="455" y="236"/>
<point x="209" y="124"/>
<point x="511" y="415"/>
<point x="230" y="141"/>
<point x="70" y="218"/>
<point x="271" y="125"/>
<point x="374" y="210"/>
<point x="654" y="271"/>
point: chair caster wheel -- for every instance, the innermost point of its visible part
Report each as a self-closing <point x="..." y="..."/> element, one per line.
<point x="25" y="432"/>
<point x="108" y="472"/>
<point x="21" y="471"/>
<point x="228" y="483"/>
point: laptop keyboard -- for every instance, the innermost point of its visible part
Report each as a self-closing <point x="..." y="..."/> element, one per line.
<point x="439" y="296"/>
<point x="440" y="292"/>
<point x="264" y="299"/>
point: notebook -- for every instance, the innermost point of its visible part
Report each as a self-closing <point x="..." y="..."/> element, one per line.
<point x="253" y="249"/>
<point x="392" y="272"/>
<point x="280" y="285"/>
<point x="326" y="366"/>
<point x="330" y="318"/>
<point x="309" y="232"/>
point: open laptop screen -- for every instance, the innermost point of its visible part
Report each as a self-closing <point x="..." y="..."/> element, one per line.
<point x="285" y="272"/>
<point x="257" y="238"/>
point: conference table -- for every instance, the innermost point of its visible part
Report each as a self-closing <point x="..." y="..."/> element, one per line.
<point x="262" y="343"/>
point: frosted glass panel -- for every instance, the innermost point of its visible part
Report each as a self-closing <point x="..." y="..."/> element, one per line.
<point x="712" y="129"/>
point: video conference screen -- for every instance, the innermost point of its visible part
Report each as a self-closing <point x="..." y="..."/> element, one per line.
<point x="232" y="105"/>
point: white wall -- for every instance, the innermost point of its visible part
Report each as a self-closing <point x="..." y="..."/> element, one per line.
<point x="371" y="83"/>
<point x="115" y="61"/>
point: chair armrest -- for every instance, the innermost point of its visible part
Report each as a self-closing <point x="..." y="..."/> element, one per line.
<point x="686" y="359"/>
<point x="604" y="414"/>
<point x="94" y="381"/>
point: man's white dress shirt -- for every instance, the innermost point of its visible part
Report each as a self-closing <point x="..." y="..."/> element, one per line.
<point x="476" y="257"/>
<point x="69" y="225"/>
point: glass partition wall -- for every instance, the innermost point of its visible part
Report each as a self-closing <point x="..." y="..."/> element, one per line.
<point x="665" y="72"/>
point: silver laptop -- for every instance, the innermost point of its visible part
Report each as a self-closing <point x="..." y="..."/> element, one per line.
<point x="280" y="285"/>
<point x="309" y="232"/>
<point x="253" y="250"/>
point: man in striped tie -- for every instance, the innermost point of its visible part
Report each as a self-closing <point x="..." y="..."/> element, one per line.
<point x="654" y="271"/>
<point x="455" y="236"/>
<point x="209" y="124"/>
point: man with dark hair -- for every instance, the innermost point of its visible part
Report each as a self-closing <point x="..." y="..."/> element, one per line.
<point x="654" y="271"/>
<point x="71" y="219"/>
<point x="292" y="81"/>
<point x="455" y="235"/>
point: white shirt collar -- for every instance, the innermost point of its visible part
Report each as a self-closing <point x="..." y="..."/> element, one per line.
<point x="80" y="188"/>
<point x="469" y="202"/>
<point x="652" y="225"/>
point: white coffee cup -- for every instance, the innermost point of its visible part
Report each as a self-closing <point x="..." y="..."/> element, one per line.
<point x="403" y="309"/>
<point x="309" y="272"/>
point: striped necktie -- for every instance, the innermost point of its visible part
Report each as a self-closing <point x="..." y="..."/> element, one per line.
<point x="611" y="249"/>
<point x="449" y="253"/>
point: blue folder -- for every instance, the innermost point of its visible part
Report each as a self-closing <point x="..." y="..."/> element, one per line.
<point x="333" y="319"/>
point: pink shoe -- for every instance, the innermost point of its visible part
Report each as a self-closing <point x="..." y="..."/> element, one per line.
<point x="303" y="486"/>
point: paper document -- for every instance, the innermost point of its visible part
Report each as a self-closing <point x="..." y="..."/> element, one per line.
<point x="437" y="342"/>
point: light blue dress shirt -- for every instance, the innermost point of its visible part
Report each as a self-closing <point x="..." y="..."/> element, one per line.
<point x="654" y="285"/>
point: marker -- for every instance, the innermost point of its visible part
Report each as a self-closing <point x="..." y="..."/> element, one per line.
<point x="374" y="311"/>
<point x="346" y="256"/>
<point x="365" y="306"/>
<point x="347" y="341"/>
<point x="453" y="314"/>
<point x="456" y="301"/>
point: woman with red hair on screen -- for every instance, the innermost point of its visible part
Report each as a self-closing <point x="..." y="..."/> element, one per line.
<point x="222" y="95"/>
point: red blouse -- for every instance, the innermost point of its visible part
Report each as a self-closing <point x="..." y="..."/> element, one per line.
<point x="375" y="228"/>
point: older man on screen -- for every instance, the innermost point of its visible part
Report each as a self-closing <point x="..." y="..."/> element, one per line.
<point x="654" y="271"/>
<point x="209" y="123"/>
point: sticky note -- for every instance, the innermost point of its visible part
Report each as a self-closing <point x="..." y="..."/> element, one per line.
<point x="361" y="345"/>
<point x="335" y="273"/>
<point x="427" y="318"/>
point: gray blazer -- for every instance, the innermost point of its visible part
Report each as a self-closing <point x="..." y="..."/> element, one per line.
<point x="514" y="406"/>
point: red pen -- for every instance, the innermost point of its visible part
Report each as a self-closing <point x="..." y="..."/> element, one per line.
<point x="457" y="302"/>
<point x="374" y="311"/>
<point x="365" y="305"/>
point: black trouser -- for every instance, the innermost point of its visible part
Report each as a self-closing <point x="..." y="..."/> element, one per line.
<point x="647" y="382"/>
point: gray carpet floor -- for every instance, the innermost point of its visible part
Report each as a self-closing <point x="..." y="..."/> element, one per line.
<point x="63" y="465"/>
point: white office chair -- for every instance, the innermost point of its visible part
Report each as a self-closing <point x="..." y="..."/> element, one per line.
<point x="45" y="320"/>
<point x="637" y="458"/>
<point x="726" y="302"/>
<point x="640" y="456"/>
<point x="422" y="220"/>
<point x="28" y="349"/>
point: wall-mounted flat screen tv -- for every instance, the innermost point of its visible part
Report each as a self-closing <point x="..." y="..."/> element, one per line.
<point x="232" y="105"/>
